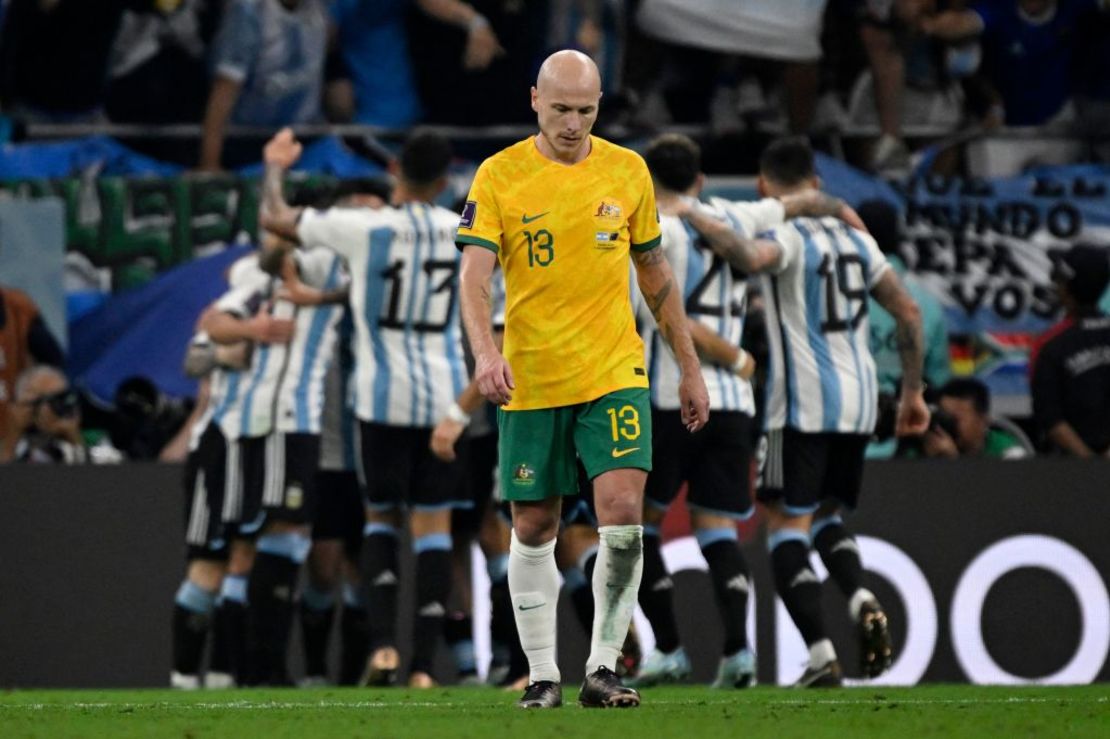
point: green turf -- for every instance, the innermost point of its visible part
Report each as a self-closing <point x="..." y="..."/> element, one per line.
<point x="686" y="712"/>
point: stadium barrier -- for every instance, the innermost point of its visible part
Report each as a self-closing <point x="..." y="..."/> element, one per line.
<point x="993" y="572"/>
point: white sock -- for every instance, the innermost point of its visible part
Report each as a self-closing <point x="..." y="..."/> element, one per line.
<point x="821" y="653"/>
<point x="855" y="604"/>
<point x="617" y="572"/>
<point x="534" y="587"/>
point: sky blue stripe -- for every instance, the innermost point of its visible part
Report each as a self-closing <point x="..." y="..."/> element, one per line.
<point x="230" y="396"/>
<point x="429" y="391"/>
<point x="431" y="252"/>
<point x="248" y="399"/>
<point x="320" y="321"/>
<point x="458" y="378"/>
<point x="869" y="391"/>
<point x="788" y="364"/>
<point x="381" y="246"/>
<point x="416" y="262"/>
<point x="861" y="414"/>
<point x="818" y="342"/>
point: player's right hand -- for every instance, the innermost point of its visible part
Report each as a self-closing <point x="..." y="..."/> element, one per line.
<point x="494" y="378"/>
<point x="913" y="415"/>
<point x="444" y="436"/>
<point x="693" y="398"/>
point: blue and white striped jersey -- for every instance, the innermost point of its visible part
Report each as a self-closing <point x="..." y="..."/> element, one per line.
<point x="246" y="284"/>
<point x="715" y="294"/>
<point x="338" y="441"/>
<point x="404" y="267"/>
<point x="822" y="376"/>
<point x="283" y="389"/>
<point x="222" y="393"/>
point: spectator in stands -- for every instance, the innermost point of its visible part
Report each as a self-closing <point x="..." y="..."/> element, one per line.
<point x="54" y="57"/>
<point x="961" y="426"/>
<point x="1028" y="51"/>
<point x="268" y="69"/>
<point x="45" y="422"/>
<point x="374" y="45"/>
<point x="159" y="63"/>
<point x="24" y="340"/>
<point x="1071" y="376"/>
<point x="786" y="31"/>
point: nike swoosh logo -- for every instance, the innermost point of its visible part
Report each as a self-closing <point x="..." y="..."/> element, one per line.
<point x="531" y="608"/>
<point x="618" y="453"/>
<point x="524" y="218"/>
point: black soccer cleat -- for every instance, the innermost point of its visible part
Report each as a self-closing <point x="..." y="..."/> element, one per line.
<point x="875" y="650"/>
<point x="827" y="675"/>
<point x="542" y="694"/>
<point x="603" y="689"/>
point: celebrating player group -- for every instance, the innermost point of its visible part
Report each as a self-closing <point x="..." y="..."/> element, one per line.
<point x="608" y="399"/>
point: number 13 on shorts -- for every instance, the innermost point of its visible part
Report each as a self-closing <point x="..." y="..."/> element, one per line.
<point x="625" y="423"/>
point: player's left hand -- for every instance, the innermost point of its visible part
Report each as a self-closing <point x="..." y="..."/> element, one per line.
<point x="283" y="150"/>
<point x="693" y="401"/>
<point x="444" y="436"/>
<point x="913" y="415"/>
<point x="851" y="217"/>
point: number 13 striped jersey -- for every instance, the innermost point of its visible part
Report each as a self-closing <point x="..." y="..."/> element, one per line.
<point x="562" y="234"/>
<point x="404" y="282"/>
<point x="822" y="376"/>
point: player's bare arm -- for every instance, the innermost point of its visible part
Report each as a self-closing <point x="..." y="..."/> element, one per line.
<point x="657" y="285"/>
<point x="297" y="292"/>
<point x="491" y="371"/>
<point x="713" y="347"/>
<point x="913" y="414"/>
<point x="225" y="328"/>
<point x="748" y="255"/>
<point x="817" y="204"/>
<point x="276" y="215"/>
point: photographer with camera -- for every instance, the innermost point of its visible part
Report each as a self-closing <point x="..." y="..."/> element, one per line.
<point x="44" y="422"/>
<point x="961" y="426"/>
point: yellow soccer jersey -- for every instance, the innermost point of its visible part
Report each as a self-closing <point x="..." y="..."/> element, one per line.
<point x="562" y="234"/>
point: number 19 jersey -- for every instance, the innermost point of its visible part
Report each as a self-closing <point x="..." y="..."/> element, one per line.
<point x="822" y="376"/>
<point x="562" y="234"/>
<point x="403" y="263"/>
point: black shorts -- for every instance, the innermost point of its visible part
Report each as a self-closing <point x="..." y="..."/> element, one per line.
<point x="340" y="510"/>
<point x="715" y="463"/>
<point x="803" y="469"/>
<point x="400" y="470"/>
<point x="279" y="480"/>
<point x="480" y="477"/>
<point x="205" y="475"/>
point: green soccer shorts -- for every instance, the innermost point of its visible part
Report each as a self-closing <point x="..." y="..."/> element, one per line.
<point x="538" y="450"/>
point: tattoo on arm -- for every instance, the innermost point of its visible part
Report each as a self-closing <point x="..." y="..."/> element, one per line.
<point x="273" y="197"/>
<point x="655" y="302"/>
<point x="908" y="340"/>
<point x="648" y="258"/>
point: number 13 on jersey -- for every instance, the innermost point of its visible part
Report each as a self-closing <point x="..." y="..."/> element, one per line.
<point x="541" y="247"/>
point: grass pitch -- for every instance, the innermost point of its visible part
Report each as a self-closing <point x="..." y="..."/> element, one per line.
<point x="686" y="712"/>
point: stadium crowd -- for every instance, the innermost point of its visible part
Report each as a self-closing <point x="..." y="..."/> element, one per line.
<point x="327" y="367"/>
<point x="897" y="70"/>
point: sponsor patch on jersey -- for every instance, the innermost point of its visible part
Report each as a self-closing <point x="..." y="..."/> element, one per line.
<point x="609" y="210"/>
<point x="470" y="211"/>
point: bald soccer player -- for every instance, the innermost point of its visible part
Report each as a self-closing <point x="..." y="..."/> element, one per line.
<point x="563" y="211"/>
